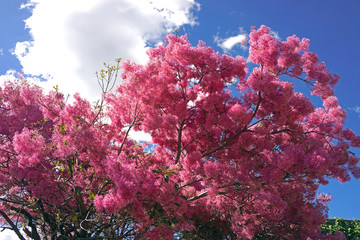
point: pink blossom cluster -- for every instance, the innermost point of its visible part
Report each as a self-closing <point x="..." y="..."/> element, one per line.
<point x="324" y="198"/>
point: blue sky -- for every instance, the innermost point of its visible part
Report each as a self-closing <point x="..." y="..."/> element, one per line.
<point x="67" y="41"/>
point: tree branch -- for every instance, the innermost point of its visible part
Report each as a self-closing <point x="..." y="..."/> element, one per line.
<point x="13" y="227"/>
<point x="178" y="153"/>
<point x="233" y="137"/>
<point x="7" y="151"/>
<point x="132" y="124"/>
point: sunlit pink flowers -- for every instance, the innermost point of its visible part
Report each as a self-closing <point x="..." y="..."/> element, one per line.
<point x="324" y="198"/>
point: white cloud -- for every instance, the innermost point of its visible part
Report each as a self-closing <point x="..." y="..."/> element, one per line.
<point x="228" y="43"/>
<point x="10" y="75"/>
<point x="1" y="51"/>
<point x="140" y="136"/>
<point x="8" y="235"/>
<point x="275" y="35"/>
<point x="355" y="109"/>
<point x="71" y="39"/>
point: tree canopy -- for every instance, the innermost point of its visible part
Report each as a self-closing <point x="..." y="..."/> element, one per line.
<point x="235" y="154"/>
<point x="351" y="228"/>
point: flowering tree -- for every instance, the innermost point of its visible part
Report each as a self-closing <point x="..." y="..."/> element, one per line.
<point x="225" y="165"/>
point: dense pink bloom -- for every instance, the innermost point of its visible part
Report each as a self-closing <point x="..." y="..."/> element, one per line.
<point x="221" y="164"/>
<point x="30" y="147"/>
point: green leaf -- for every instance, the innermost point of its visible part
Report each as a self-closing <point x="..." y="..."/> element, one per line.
<point x="182" y="196"/>
<point x="62" y="129"/>
<point x="74" y="218"/>
<point x="92" y="195"/>
<point x="91" y="177"/>
<point x="166" y="178"/>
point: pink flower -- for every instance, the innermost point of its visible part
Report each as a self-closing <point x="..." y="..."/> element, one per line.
<point x="331" y="102"/>
<point x="29" y="145"/>
<point x="324" y="198"/>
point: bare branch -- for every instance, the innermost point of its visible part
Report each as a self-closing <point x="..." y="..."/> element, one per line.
<point x="13" y="227"/>
<point x="188" y="184"/>
<point x="233" y="137"/>
<point x="178" y="153"/>
<point x="7" y="151"/>
<point x="137" y="117"/>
